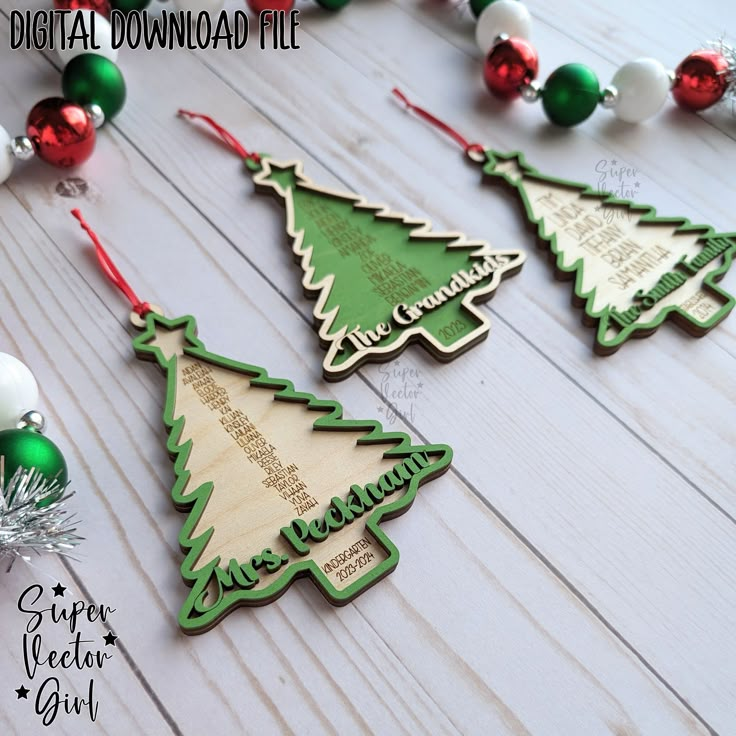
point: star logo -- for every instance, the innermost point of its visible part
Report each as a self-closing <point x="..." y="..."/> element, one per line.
<point x="22" y="692"/>
<point x="58" y="590"/>
<point x="110" y="639"/>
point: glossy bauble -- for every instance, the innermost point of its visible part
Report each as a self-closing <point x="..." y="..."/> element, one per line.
<point x="503" y="16"/>
<point x="642" y="87"/>
<point x="102" y="37"/>
<point x="701" y="80"/>
<point x="570" y="94"/>
<point x="61" y="132"/>
<point x="7" y="160"/>
<point x="258" y="6"/>
<point x="18" y="391"/>
<point x="332" y="4"/>
<point x="92" y="79"/>
<point x="127" y="5"/>
<point x="509" y="65"/>
<point x="24" y="448"/>
<point x="99" y="6"/>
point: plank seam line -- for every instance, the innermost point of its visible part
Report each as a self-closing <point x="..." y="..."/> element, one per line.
<point x="405" y="668"/>
<point x="127" y="656"/>
<point x="659" y="455"/>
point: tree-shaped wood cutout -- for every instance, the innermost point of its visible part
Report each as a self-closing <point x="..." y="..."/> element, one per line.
<point x="632" y="269"/>
<point x="275" y="482"/>
<point x="383" y="280"/>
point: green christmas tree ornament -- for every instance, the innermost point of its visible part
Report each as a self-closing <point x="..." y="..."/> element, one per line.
<point x="332" y="4"/>
<point x="571" y="94"/>
<point x="33" y="473"/>
<point x="631" y="269"/>
<point x="275" y="484"/>
<point x="93" y="79"/>
<point x="28" y="449"/>
<point x="128" y="6"/>
<point x="380" y="280"/>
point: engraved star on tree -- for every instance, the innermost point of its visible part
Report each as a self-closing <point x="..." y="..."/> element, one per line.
<point x="381" y="279"/>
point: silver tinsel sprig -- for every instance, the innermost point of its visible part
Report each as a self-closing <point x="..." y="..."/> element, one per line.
<point x="729" y="53"/>
<point x="26" y="527"/>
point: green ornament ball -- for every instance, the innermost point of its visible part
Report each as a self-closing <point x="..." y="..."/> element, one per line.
<point x="93" y="79"/>
<point x="570" y="94"/>
<point x="127" y="5"/>
<point x="478" y="6"/>
<point x="332" y="4"/>
<point x="24" y="448"/>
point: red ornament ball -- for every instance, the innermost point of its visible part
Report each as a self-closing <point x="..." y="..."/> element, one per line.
<point x="701" y="80"/>
<point x="102" y="7"/>
<point x="509" y="65"/>
<point x="258" y="6"/>
<point x="61" y="132"/>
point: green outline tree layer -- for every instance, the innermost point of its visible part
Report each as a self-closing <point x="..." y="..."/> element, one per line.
<point x="633" y="314"/>
<point x="360" y="261"/>
<point x="215" y="589"/>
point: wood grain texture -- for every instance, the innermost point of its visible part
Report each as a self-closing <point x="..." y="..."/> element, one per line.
<point x="574" y="575"/>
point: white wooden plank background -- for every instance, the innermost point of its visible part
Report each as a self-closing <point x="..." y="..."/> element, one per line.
<point x="575" y="573"/>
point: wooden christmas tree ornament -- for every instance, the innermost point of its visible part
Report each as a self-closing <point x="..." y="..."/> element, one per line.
<point x="275" y="483"/>
<point x="380" y="280"/>
<point x="632" y="269"/>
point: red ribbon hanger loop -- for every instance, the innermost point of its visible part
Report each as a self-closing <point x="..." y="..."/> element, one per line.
<point x="468" y="147"/>
<point x="232" y="142"/>
<point x="111" y="271"/>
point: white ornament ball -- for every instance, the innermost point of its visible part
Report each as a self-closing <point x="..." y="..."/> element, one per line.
<point x="502" y="16"/>
<point x="18" y="391"/>
<point x="7" y="160"/>
<point x="198" y="6"/>
<point x="102" y="38"/>
<point x="643" y="86"/>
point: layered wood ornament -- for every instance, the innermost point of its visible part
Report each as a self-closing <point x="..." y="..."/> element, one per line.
<point x="632" y="269"/>
<point x="381" y="280"/>
<point x="276" y="484"/>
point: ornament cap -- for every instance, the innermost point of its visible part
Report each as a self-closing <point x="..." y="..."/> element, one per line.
<point x="32" y="421"/>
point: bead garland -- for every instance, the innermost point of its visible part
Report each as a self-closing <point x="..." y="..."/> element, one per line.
<point x="62" y="130"/>
<point x="571" y="93"/>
